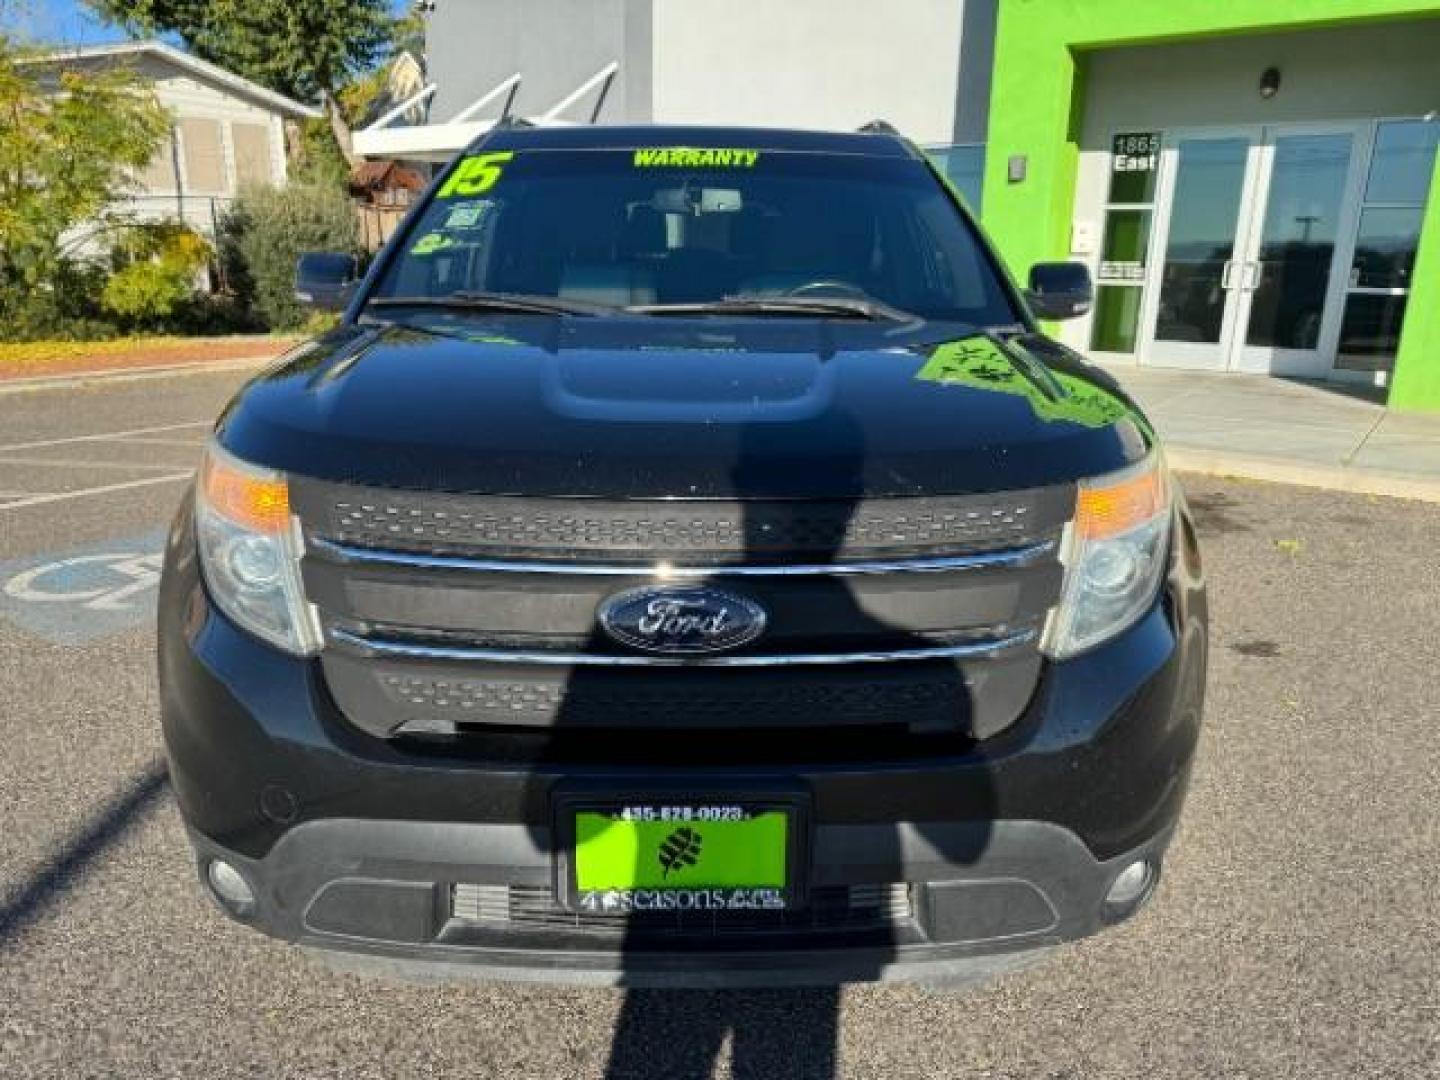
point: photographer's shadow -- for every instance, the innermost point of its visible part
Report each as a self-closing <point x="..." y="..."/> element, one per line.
<point x="790" y="1033"/>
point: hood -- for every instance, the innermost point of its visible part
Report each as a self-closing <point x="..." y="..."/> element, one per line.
<point x="654" y="407"/>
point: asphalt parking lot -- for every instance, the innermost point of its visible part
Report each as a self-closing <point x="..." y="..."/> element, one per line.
<point x="1297" y="931"/>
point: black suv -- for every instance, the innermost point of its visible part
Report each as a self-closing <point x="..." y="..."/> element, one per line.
<point x="686" y="563"/>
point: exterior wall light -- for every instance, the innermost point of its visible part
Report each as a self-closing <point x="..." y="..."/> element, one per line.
<point x="1269" y="82"/>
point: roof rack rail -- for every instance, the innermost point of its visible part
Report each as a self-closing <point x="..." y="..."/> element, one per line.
<point x="878" y="127"/>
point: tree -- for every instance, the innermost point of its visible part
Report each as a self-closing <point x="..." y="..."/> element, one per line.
<point x="263" y="234"/>
<point x="304" y="50"/>
<point x="70" y="142"/>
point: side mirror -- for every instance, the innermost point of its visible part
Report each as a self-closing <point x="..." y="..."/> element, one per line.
<point x="325" y="279"/>
<point x="1060" y="290"/>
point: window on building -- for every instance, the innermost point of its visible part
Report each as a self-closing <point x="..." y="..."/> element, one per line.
<point x="204" y="156"/>
<point x="1129" y="209"/>
<point x="252" y="153"/>
<point x="1387" y="237"/>
<point x="964" y="165"/>
<point x="159" y="174"/>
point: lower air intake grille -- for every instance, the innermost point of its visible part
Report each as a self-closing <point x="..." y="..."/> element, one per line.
<point x="852" y="907"/>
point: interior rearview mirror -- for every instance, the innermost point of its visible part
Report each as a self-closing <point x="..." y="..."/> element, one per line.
<point x="691" y="200"/>
<point x="325" y="280"/>
<point x="1060" y="290"/>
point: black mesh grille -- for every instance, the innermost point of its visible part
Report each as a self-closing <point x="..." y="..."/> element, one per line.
<point x="392" y="698"/>
<point x="852" y="907"/>
<point x="700" y="531"/>
<point x="724" y="701"/>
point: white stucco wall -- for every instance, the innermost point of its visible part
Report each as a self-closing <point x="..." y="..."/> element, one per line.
<point x="555" y="45"/>
<point x="1366" y="72"/>
<point x="810" y="63"/>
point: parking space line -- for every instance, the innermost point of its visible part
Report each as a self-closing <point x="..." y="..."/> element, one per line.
<point x="61" y="496"/>
<point x="70" y="463"/>
<point x="102" y="436"/>
<point x="191" y="443"/>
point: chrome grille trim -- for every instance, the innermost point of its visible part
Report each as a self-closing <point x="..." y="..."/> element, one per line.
<point x="969" y="650"/>
<point x="831" y="908"/>
<point x="1011" y="558"/>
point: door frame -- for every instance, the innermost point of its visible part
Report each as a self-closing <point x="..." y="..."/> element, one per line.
<point x="1318" y="362"/>
<point x="1180" y="354"/>
<point x="1231" y="353"/>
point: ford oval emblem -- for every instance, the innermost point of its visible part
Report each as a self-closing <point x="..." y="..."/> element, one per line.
<point x="687" y="619"/>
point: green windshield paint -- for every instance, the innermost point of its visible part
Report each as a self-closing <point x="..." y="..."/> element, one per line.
<point x="980" y="363"/>
<point x="695" y="157"/>
<point x="431" y="243"/>
<point x="475" y="175"/>
<point x="614" y="854"/>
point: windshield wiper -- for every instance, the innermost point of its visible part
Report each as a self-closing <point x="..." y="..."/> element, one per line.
<point x="522" y="303"/>
<point x="784" y="306"/>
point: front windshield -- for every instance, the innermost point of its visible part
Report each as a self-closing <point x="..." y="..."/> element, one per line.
<point x="657" y="226"/>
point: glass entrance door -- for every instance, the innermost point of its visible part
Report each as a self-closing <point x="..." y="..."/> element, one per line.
<point x="1247" y="276"/>
<point x="1291" y="287"/>
<point x="1192" y="309"/>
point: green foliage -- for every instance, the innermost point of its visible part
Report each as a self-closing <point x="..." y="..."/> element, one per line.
<point x="63" y="158"/>
<point x="267" y="229"/>
<point x="320" y="160"/>
<point x="303" y="50"/>
<point x="155" y="276"/>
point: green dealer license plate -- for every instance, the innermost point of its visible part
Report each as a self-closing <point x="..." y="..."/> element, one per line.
<point x="658" y="857"/>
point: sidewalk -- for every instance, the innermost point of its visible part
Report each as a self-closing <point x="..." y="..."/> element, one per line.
<point x="1311" y="433"/>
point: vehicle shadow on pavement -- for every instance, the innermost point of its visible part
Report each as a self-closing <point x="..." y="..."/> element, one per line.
<point x="773" y="1033"/>
<point x="680" y="1034"/>
<point x="122" y="813"/>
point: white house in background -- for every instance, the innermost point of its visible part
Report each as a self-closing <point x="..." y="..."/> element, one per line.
<point x="228" y="131"/>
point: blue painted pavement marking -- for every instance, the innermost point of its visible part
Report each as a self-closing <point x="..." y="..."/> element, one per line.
<point x="86" y="593"/>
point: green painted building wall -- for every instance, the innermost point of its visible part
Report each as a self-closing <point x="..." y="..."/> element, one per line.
<point x="1036" y="97"/>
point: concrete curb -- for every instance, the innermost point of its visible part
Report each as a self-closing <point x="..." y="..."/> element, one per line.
<point x="1360" y="481"/>
<point x="72" y="379"/>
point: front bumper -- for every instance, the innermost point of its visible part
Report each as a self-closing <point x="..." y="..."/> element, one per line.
<point x="996" y="850"/>
<point x="976" y="905"/>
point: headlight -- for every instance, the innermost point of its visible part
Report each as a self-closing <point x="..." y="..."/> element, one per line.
<point x="250" y="552"/>
<point x="1114" y="554"/>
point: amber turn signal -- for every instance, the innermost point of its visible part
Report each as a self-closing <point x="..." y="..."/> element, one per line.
<point x="259" y="503"/>
<point x="1103" y="512"/>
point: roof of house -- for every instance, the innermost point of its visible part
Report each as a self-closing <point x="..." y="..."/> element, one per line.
<point x="376" y="174"/>
<point x="203" y="68"/>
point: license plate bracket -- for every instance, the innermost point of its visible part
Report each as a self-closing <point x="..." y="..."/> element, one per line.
<point x="671" y="852"/>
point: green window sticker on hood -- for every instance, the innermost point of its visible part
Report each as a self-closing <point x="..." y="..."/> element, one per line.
<point x="695" y="157"/>
<point x="981" y="363"/>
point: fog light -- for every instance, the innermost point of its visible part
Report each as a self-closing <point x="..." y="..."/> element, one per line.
<point x="1130" y="886"/>
<point x="230" y="887"/>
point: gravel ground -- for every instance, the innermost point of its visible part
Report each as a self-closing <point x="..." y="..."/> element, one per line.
<point x="1296" y="933"/>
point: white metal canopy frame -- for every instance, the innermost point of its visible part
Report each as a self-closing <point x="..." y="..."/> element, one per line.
<point x="440" y="142"/>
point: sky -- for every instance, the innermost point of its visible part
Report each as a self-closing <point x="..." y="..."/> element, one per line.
<point x="67" y="22"/>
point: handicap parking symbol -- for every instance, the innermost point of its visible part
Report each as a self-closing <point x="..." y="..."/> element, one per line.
<point x="84" y="594"/>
